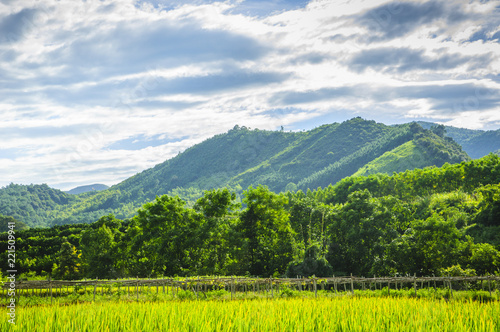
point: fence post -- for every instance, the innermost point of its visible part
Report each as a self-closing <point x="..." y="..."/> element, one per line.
<point x="95" y="286"/>
<point x="232" y="287"/>
<point x="352" y="285"/>
<point x="415" y="283"/>
<point x="137" y="288"/>
<point x="315" y="287"/>
<point x="451" y="288"/>
<point x="50" y="285"/>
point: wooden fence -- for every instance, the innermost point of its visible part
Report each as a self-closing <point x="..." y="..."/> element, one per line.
<point x="239" y="284"/>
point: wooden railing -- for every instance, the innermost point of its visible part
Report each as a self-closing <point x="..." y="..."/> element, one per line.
<point x="243" y="284"/>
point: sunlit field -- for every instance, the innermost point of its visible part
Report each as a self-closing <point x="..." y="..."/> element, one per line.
<point x="342" y="313"/>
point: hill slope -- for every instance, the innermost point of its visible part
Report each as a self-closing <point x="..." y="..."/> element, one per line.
<point x="238" y="159"/>
<point x="477" y="143"/>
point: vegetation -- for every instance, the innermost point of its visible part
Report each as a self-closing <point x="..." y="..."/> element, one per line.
<point x="441" y="219"/>
<point x="4" y="223"/>
<point x="295" y="314"/>
<point x="422" y="222"/>
<point x="477" y="143"/>
<point x="87" y="188"/>
<point x="282" y="161"/>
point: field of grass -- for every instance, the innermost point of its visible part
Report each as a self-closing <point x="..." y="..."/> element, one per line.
<point x="325" y="313"/>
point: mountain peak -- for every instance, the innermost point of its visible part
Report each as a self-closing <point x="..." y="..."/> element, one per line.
<point x="87" y="188"/>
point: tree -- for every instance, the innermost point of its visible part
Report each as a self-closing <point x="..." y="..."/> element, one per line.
<point x="439" y="130"/>
<point x="166" y="238"/>
<point x="489" y="214"/>
<point x="4" y="224"/>
<point x="68" y="263"/>
<point x="217" y="203"/>
<point x="266" y="231"/>
<point x="100" y="248"/>
<point x="314" y="263"/>
<point x="360" y="231"/>
<point x="436" y="244"/>
<point x="217" y="235"/>
<point x="485" y="259"/>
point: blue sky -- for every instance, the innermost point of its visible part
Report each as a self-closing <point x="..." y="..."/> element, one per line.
<point x="95" y="91"/>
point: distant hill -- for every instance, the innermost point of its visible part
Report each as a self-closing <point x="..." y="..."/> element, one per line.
<point x="84" y="189"/>
<point x="477" y="143"/>
<point x="242" y="157"/>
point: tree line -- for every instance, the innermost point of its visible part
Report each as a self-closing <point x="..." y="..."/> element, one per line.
<point x="432" y="221"/>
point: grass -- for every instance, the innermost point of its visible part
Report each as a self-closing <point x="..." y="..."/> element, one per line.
<point x="405" y="156"/>
<point x="337" y="313"/>
<point x="119" y="308"/>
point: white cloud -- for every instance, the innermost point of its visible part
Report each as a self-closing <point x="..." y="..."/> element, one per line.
<point x="95" y="91"/>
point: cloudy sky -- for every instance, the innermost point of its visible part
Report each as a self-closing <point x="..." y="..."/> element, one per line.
<point x="95" y="91"/>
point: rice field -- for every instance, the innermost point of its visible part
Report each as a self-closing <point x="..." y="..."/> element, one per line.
<point x="343" y="313"/>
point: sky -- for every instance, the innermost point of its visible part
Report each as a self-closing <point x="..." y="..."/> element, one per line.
<point x="96" y="91"/>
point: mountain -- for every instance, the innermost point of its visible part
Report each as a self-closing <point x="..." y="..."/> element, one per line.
<point x="84" y="189"/>
<point x="477" y="143"/>
<point x="241" y="158"/>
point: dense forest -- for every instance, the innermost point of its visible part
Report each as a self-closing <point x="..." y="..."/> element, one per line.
<point x="282" y="161"/>
<point x="436" y="220"/>
<point x="477" y="143"/>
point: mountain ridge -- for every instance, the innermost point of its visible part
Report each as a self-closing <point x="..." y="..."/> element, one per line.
<point x="477" y="143"/>
<point x="87" y="188"/>
<point x="236" y="160"/>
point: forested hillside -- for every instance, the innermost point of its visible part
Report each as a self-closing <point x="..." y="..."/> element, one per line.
<point x="283" y="161"/>
<point x="477" y="143"/>
<point x="428" y="221"/>
<point x="87" y="188"/>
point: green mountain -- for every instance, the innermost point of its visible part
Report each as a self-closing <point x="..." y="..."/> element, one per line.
<point x="424" y="150"/>
<point x="240" y="158"/>
<point x="431" y="221"/>
<point x="477" y="143"/>
<point x="84" y="189"/>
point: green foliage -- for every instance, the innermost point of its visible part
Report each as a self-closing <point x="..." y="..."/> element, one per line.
<point x="422" y="221"/>
<point x="165" y="241"/>
<point x="101" y="250"/>
<point x="426" y="149"/>
<point x="314" y="263"/>
<point x="478" y="146"/>
<point x="35" y="205"/>
<point x="217" y="203"/>
<point x="68" y="263"/>
<point x="4" y="224"/>
<point x="283" y="161"/>
<point x="484" y="259"/>
<point x="268" y="236"/>
<point x="457" y="271"/>
<point x="476" y="143"/>
<point x="466" y="176"/>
